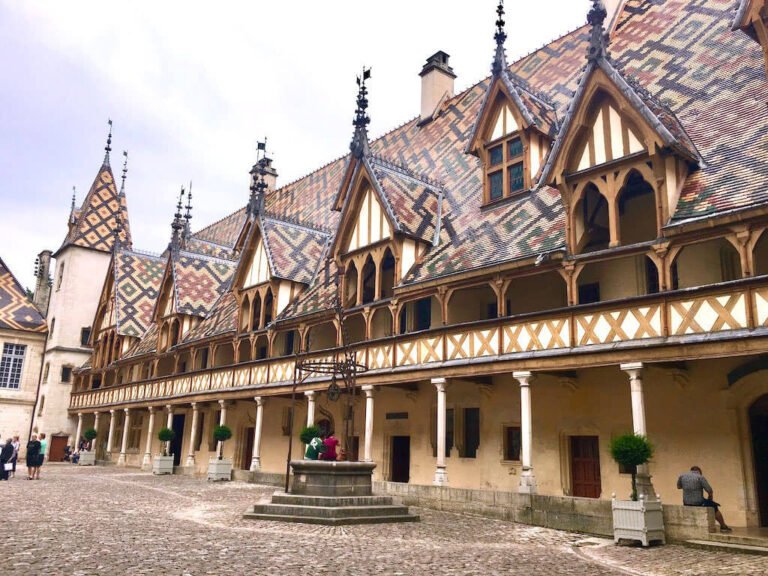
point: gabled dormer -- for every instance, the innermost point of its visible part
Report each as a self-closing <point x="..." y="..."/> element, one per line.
<point x="752" y="19"/>
<point x="513" y="131"/>
<point x="621" y="156"/>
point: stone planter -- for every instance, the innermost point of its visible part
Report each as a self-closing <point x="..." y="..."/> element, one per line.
<point x="642" y="520"/>
<point x="322" y="478"/>
<point x="220" y="469"/>
<point x="162" y="465"/>
<point x="87" y="458"/>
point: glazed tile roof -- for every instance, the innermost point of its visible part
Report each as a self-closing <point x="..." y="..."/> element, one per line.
<point x="222" y="319"/>
<point x="208" y="248"/>
<point x="147" y="344"/>
<point x="223" y="232"/>
<point x="137" y="282"/>
<point x="97" y="218"/>
<point x="16" y="310"/>
<point x="319" y="297"/>
<point x="410" y="199"/>
<point x="199" y="281"/>
<point x="294" y="251"/>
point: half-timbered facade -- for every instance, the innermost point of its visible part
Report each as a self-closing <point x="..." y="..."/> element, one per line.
<point x="570" y="249"/>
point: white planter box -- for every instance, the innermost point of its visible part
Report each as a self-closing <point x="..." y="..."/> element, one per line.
<point x="162" y="465"/>
<point x="642" y="520"/>
<point x="220" y="469"/>
<point x="87" y="458"/>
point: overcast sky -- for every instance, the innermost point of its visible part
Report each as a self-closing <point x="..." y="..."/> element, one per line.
<point x="191" y="86"/>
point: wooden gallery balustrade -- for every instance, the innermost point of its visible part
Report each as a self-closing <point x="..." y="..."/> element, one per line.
<point x="726" y="311"/>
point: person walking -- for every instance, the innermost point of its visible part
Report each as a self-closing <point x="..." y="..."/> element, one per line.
<point x="6" y="453"/>
<point x="33" y="455"/>
<point x="16" y="445"/>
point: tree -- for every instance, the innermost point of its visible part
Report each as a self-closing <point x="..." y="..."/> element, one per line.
<point x="221" y="434"/>
<point x="90" y="435"/>
<point x="631" y="451"/>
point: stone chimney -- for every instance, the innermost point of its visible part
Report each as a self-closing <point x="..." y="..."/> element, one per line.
<point x="436" y="83"/>
<point x="271" y="176"/>
<point x="43" y="284"/>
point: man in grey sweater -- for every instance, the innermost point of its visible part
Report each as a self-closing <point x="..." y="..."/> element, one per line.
<point x="693" y="484"/>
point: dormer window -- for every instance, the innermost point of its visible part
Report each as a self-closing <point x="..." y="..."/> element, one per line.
<point x="505" y="166"/>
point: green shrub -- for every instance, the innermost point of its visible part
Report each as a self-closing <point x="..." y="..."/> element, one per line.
<point x="221" y="434"/>
<point x="308" y="433"/>
<point x="631" y="451"/>
<point x="90" y="434"/>
<point x="165" y="436"/>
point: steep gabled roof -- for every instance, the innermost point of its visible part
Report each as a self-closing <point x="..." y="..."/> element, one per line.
<point x="137" y="283"/>
<point x="222" y="319"/>
<point x="97" y="218"/>
<point x="321" y="296"/>
<point x="199" y="281"/>
<point x="223" y="232"/>
<point x="16" y="310"/>
<point x="294" y="251"/>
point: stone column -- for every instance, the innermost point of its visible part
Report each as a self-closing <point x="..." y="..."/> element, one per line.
<point x="310" y="407"/>
<point x="256" y="457"/>
<point x="93" y="444"/>
<point x="441" y="476"/>
<point x="169" y="419"/>
<point x="527" y="477"/>
<point x="635" y="372"/>
<point x="124" y="444"/>
<point x="193" y="435"/>
<point x="111" y="435"/>
<point x="368" y="390"/>
<point x="79" y="430"/>
<point x="222" y="422"/>
<point x="147" y="461"/>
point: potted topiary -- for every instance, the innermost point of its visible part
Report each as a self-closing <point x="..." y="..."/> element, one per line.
<point x="88" y="457"/>
<point x="163" y="463"/>
<point x="220" y="468"/>
<point x="639" y="518"/>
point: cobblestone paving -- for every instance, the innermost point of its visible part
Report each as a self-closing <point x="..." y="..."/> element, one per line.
<point x="83" y="521"/>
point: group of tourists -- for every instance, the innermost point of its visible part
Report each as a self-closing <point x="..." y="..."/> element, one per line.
<point x="9" y="455"/>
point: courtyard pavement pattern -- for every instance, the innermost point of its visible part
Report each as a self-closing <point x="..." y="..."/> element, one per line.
<point x="84" y="520"/>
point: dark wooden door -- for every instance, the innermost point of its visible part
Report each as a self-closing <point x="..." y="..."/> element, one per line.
<point x="56" y="450"/>
<point x="247" y="454"/>
<point x="401" y="459"/>
<point x="585" y="466"/>
<point x="178" y="439"/>
<point x="758" y="420"/>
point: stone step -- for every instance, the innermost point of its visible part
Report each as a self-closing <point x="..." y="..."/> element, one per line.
<point x="330" y="511"/>
<point x="741" y="537"/>
<point x="330" y="501"/>
<point x="714" y="545"/>
<point x="332" y="521"/>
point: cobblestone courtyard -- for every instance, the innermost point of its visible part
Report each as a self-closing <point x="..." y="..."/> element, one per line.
<point x="108" y="521"/>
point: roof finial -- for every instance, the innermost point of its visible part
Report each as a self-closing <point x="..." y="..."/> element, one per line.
<point x="598" y="39"/>
<point x="500" y="58"/>
<point x="117" y="231"/>
<point x="359" y="145"/>
<point x="258" y="184"/>
<point x="188" y="213"/>
<point x="177" y="225"/>
<point x="108" y="147"/>
<point x="74" y="193"/>
<point x="125" y="172"/>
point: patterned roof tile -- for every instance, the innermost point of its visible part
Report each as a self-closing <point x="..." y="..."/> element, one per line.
<point x="222" y="319"/>
<point x="294" y="251"/>
<point x="137" y="282"/>
<point x="16" y="310"/>
<point x="200" y="281"/>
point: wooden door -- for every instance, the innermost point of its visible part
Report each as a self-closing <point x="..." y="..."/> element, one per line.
<point x="758" y="420"/>
<point x="401" y="459"/>
<point x="178" y="439"/>
<point x="247" y="454"/>
<point x="56" y="449"/>
<point x="585" y="466"/>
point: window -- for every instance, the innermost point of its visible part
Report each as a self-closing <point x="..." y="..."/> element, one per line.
<point x="41" y="406"/>
<point x="45" y="372"/>
<point x="289" y="341"/>
<point x="117" y="439"/>
<point x="60" y="278"/>
<point x="66" y="374"/>
<point x="11" y="365"/>
<point x="53" y="325"/>
<point x="423" y="314"/>
<point x="204" y="358"/>
<point x="505" y="164"/>
<point x="589" y="293"/>
<point x="85" y="335"/>
<point x="471" y="432"/>
<point x="513" y="440"/>
<point x="134" y="434"/>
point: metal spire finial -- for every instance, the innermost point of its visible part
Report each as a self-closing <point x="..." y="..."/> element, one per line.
<point x="500" y="57"/>
<point x="177" y="225"/>
<point x="108" y="147"/>
<point x="598" y="39"/>
<point x="359" y="145"/>
<point x="125" y="172"/>
<point x="117" y="231"/>
<point x="74" y="193"/>
<point x="188" y="213"/>
<point x="258" y="183"/>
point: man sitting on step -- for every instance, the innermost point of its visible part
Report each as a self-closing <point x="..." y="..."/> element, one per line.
<point x="693" y="484"/>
